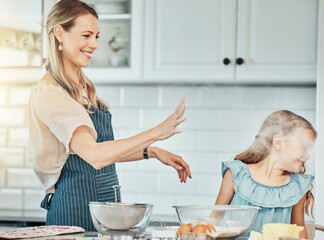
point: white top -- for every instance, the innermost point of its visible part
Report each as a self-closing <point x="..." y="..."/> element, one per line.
<point x="53" y="115"/>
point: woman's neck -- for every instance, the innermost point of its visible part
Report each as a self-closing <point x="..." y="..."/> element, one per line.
<point x="72" y="72"/>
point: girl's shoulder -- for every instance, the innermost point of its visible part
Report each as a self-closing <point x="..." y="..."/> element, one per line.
<point x="262" y="195"/>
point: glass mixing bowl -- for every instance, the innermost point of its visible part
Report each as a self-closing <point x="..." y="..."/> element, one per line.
<point x="229" y="221"/>
<point x="120" y="218"/>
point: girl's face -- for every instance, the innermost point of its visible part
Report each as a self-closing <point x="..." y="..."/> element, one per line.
<point x="295" y="150"/>
<point x="80" y="41"/>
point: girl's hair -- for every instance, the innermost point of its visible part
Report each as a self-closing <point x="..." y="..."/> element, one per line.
<point x="281" y="122"/>
<point x="64" y="13"/>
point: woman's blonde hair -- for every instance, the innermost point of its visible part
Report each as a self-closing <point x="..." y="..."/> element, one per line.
<point x="64" y="13"/>
<point x="282" y="122"/>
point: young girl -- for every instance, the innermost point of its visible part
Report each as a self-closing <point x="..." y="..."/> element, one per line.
<point x="270" y="173"/>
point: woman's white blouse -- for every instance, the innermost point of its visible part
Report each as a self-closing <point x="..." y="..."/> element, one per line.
<point x="53" y="116"/>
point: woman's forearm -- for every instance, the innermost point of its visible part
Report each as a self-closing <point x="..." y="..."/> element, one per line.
<point x="105" y="153"/>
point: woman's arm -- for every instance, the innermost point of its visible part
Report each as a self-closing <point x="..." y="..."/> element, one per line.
<point x="227" y="189"/>
<point x="105" y="153"/>
<point x="297" y="216"/>
<point x="165" y="157"/>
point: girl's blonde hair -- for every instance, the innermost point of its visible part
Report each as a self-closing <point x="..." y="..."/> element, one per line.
<point x="64" y="13"/>
<point x="282" y="122"/>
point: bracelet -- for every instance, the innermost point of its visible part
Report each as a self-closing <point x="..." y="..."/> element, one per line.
<point x="145" y="153"/>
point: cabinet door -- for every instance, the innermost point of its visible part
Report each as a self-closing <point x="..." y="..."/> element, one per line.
<point x="277" y="40"/>
<point x="100" y="73"/>
<point x="187" y="40"/>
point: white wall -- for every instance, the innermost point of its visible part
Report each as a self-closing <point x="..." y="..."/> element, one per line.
<point x="221" y="121"/>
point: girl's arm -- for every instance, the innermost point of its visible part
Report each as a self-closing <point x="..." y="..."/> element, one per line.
<point x="227" y="189"/>
<point x="297" y="216"/>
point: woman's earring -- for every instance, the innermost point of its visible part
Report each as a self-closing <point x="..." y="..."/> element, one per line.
<point x="60" y="48"/>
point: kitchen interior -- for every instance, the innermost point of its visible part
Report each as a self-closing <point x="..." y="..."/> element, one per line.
<point x="236" y="61"/>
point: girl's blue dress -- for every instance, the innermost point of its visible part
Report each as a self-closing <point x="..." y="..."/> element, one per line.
<point x="276" y="202"/>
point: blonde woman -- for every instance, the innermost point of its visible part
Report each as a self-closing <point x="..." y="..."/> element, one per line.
<point x="70" y="127"/>
<point x="270" y="173"/>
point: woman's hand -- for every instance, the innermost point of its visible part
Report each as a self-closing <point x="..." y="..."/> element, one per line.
<point x="168" y="127"/>
<point x="172" y="160"/>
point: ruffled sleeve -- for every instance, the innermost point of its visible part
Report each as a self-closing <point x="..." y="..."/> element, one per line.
<point x="266" y="196"/>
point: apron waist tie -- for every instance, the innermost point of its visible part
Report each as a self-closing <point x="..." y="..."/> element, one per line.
<point x="46" y="201"/>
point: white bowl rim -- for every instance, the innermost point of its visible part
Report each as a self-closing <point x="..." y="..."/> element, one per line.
<point x="218" y="207"/>
<point x="119" y="204"/>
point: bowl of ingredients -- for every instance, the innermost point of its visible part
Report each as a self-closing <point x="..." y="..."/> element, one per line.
<point x="120" y="218"/>
<point x="217" y="221"/>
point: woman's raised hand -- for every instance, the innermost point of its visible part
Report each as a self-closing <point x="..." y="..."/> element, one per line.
<point x="168" y="127"/>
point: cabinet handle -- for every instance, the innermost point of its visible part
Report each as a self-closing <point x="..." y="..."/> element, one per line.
<point x="226" y="61"/>
<point x="239" y="61"/>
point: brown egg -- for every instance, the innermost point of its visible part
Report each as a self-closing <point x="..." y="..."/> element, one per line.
<point x="199" y="228"/>
<point x="211" y="228"/>
<point x="185" y="228"/>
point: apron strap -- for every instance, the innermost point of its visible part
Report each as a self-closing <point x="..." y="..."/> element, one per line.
<point x="46" y="201"/>
<point x="48" y="69"/>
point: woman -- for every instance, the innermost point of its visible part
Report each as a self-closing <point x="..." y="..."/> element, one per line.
<point x="70" y="127"/>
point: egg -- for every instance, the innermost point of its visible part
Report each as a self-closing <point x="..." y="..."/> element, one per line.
<point x="211" y="228"/>
<point x="199" y="228"/>
<point x="185" y="228"/>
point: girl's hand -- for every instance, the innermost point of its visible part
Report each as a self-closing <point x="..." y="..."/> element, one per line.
<point x="168" y="127"/>
<point x="174" y="161"/>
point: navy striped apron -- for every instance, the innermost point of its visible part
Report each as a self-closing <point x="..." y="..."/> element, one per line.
<point x="80" y="183"/>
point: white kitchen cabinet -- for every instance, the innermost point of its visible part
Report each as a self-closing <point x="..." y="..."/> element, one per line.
<point x="264" y="41"/>
<point x="104" y="69"/>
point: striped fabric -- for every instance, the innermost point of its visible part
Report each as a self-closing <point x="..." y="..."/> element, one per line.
<point x="80" y="183"/>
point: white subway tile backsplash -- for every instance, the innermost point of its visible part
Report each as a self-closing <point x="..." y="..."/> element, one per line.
<point x="18" y="137"/>
<point x="170" y="184"/>
<point x="154" y="116"/>
<point x="162" y="203"/>
<point x="3" y="96"/>
<point x="33" y="198"/>
<point x="187" y="140"/>
<point x="201" y="119"/>
<point x="141" y="97"/>
<point x="218" y="141"/>
<point x="171" y="96"/>
<point x="22" y="178"/>
<point x="134" y="182"/>
<point x="110" y="95"/>
<point x="3" y="137"/>
<point x="221" y="122"/>
<point x="12" y="117"/>
<point x="196" y="199"/>
<point x="11" y="199"/>
<point x="12" y="157"/>
<point x="19" y="96"/>
<point x="35" y="214"/>
<point x="238" y="119"/>
<point x="2" y="177"/>
<point x="127" y="166"/>
<point x="259" y="97"/>
<point x="208" y="184"/>
<point x="219" y="97"/>
<point x="202" y="162"/>
<point x="125" y="118"/>
<point x="298" y="98"/>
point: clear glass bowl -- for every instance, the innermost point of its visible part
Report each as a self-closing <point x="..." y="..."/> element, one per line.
<point x="229" y="221"/>
<point x="120" y="218"/>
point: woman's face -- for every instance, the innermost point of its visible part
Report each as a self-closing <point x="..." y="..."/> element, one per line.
<point x="80" y="41"/>
<point x="296" y="149"/>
